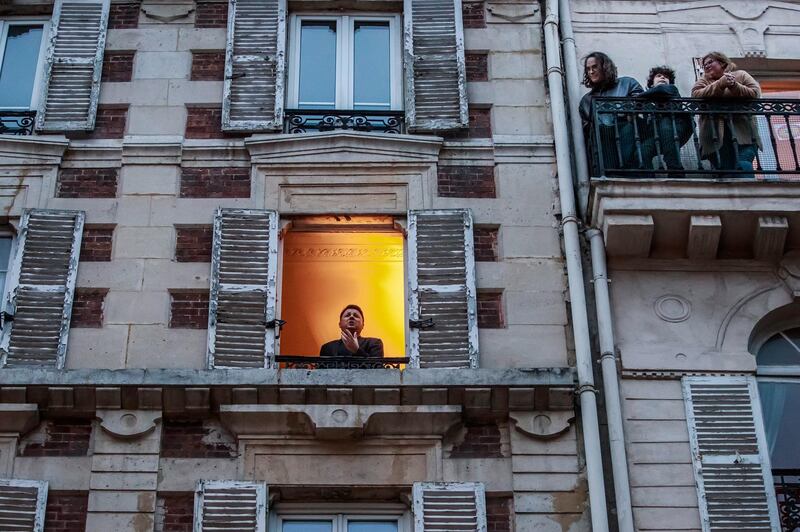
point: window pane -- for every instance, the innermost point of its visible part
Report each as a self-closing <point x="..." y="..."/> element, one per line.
<point x="317" y="65"/>
<point x="778" y="351"/>
<point x="781" y="422"/>
<point x="371" y="65"/>
<point x="20" y="60"/>
<point x="307" y="526"/>
<point x="5" y="251"/>
<point x="372" y="526"/>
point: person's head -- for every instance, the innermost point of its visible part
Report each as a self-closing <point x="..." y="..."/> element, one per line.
<point x="660" y="75"/>
<point x="715" y="64"/>
<point x="351" y="318"/>
<point x="599" y="71"/>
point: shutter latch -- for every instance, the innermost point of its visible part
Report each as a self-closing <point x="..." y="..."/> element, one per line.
<point x="5" y="317"/>
<point x="421" y="324"/>
<point x="277" y="325"/>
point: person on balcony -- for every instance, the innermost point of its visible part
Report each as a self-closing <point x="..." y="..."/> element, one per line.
<point x="731" y="141"/>
<point x="352" y="344"/>
<point x="664" y="134"/>
<point x="600" y="75"/>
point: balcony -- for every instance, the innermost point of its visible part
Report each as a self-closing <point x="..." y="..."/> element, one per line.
<point x="659" y="194"/>
<point x="17" y="122"/>
<point x="313" y="121"/>
<point x="787" y="492"/>
<point x="307" y="362"/>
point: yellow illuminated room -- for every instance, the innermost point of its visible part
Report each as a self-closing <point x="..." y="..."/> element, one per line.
<point x="323" y="271"/>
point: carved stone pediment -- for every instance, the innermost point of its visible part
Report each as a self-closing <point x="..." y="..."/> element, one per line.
<point x="542" y="425"/>
<point x="128" y="424"/>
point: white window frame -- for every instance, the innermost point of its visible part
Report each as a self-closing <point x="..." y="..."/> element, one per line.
<point x="344" y="57"/>
<point x="340" y="514"/>
<point x="7" y="232"/>
<point x="5" y="23"/>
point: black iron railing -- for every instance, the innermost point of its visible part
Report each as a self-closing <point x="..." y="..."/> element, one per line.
<point x="17" y="122"/>
<point x="689" y="137"/>
<point x="301" y="362"/>
<point x="787" y="491"/>
<point x="308" y="120"/>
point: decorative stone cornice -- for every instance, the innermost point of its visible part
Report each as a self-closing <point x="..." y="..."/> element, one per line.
<point x="18" y="418"/>
<point x="32" y="150"/>
<point x="128" y="424"/>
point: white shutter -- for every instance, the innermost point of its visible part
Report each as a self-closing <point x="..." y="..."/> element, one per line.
<point x="244" y="263"/>
<point x="22" y="505"/>
<point x="731" y="463"/>
<point x="441" y="266"/>
<point x="226" y="505"/>
<point x="435" y="72"/>
<point x="449" y="507"/>
<point x="71" y="84"/>
<point x="254" y="65"/>
<point x="41" y="287"/>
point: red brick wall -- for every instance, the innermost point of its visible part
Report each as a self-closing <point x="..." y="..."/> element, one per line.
<point x="211" y="15"/>
<point x="215" y="182"/>
<point x="174" y="512"/>
<point x="485" y="243"/>
<point x="123" y="16"/>
<point x="205" y="122"/>
<point x="480" y="125"/>
<point x="118" y="66"/>
<point x="477" y="64"/>
<point x="96" y="243"/>
<point x="499" y="513"/>
<point x="66" y="511"/>
<point x="188" y="309"/>
<point x="480" y="441"/>
<point x="466" y="182"/>
<point x="109" y="124"/>
<point x="63" y="437"/>
<point x="87" y="307"/>
<point x="490" y="310"/>
<point x="196" y="439"/>
<point x="193" y="244"/>
<point x="208" y="66"/>
<point x="473" y="14"/>
<point x="87" y="183"/>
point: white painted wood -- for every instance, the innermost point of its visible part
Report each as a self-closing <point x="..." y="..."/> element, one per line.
<point x="22" y="505"/>
<point x="448" y="506"/>
<point x="231" y="506"/>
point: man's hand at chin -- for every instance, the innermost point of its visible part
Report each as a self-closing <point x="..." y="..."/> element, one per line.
<point x="350" y="340"/>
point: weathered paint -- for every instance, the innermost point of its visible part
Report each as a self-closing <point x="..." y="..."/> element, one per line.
<point x="467" y="499"/>
<point x="248" y="506"/>
<point x="19" y="504"/>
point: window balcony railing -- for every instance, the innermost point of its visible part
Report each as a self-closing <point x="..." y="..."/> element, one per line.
<point x="309" y="120"/>
<point x="17" y="122"/>
<point x="309" y="362"/>
<point x="695" y="138"/>
<point x="787" y="492"/>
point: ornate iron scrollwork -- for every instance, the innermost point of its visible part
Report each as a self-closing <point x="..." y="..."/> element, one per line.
<point x="305" y="121"/>
<point x="17" y="122"/>
<point x="301" y="362"/>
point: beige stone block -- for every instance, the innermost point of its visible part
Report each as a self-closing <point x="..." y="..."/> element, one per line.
<point x="168" y="211"/>
<point x="628" y="235"/>
<point x="659" y="431"/>
<point x="667" y="518"/>
<point x="97" y="348"/>
<point x="162" y="274"/>
<point x="119" y="274"/>
<point x="120" y="522"/>
<point x="529" y="242"/>
<point x="147" y="39"/>
<point x="495" y="473"/>
<point x="182" y="474"/>
<point x="115" y="463"/>
<point x="144" y="242"/>
<point x="678" y="496"/>
<point x="184" y="91"/>
<point x="704" y="234"/>
<point x="201" y="39"/>
<point x="122" y="501"/>
<point x="137" y="308"/>
<point x="545" y="464"/>
<point x="515" y="65"/>
<point x="515" y="120"/>
<point x="660" y="453"/>
<point x="550" y="503"/>
<point x="155" y="346"/>
<point x="156" y="120"/>
<point x="655" y="475"/>
<point x="535" y="308"/>
<point x="508" y="92"/>
<point x="504" y="38"/>
<point x="149" y="444"/>
<point x="160" y="65"/>
<point x="62" y="472"/>
<point x="150" y="180"/>
<point x="523" y="346"/>
<point x="98" y="210"/>
<point x="536" y="275"/>
<point x="770" y="239"/>
<point x="136" y="92"/>
<point x="134" y="210"/>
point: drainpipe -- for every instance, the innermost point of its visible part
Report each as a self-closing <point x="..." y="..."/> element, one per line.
<point x="569" y="226"/>
<point x="570" y="56"/>
<point x="616" y="435"/>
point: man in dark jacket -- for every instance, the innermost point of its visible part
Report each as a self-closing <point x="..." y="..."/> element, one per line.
<point x="352" y="344"/>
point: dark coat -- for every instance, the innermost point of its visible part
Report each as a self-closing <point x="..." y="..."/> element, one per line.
<point x="367" y="347"/>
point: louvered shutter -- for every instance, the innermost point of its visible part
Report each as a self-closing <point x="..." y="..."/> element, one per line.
<point x="254" y="65"/>
<point x="22" y="505"/>
<point x="41" y="287"/>
<point x="441" y="278"/>
<point x="226" y="505"/>
<point x="433" y="51"/>
<point x="242" y="303"/>
<point x="731" y="464"/>
<point x="449" y="507"/>
<point x="71" y="84"/>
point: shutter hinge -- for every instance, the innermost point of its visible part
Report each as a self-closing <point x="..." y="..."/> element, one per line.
<point x="277" y="325"/>
<point x="4" y="318"/>
<point x="421" y="324"/>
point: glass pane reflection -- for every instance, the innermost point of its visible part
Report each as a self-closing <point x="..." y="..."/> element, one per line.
<point x="307" y="526"/>
<point x="20" y="61"/>
<point x="781" y="422"/>
<point x="372" y="526"/>
<point x="781" y="349"/>
<point x="371" y="66"/>
<point x="317" y="64"/>
<point x="5" y="252"/>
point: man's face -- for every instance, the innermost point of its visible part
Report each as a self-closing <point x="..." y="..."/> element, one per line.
<point x="594" y="71"/>
<point x="351" y="320"/>
<point x="660" y="79"/>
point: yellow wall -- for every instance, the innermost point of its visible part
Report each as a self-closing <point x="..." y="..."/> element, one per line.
<point x="323" y="272"/>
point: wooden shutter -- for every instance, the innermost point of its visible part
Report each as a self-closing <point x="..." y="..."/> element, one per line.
<point x="441" y="278"/>
<point x="71" y="84"/>
<point x="433" y="51"/>
<point x="242" y="303"/>
<point x="731" y="463"/>
<point x="41" y="285"/>
<point x="254" y="65"/>
<point x="22" y="505"/>
<point x="225" y="505"/>
<point x="449" y="506"/>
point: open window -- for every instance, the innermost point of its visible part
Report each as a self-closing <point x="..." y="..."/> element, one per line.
<point x="22" y="52"/>
<point x="347" y="517"/>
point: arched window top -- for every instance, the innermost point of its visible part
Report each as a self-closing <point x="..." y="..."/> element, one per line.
<point x="781" y="349"/>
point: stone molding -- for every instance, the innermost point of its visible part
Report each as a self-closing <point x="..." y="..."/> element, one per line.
<point x="128" y="424"/>
<point x="18" y="418"/>
<point x="540" y="425"/>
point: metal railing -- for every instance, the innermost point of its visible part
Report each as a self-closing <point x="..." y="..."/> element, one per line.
<point x="310" y="120"/>
<point x="689" y="137"/>
<point x="17" y="122"/>
<point x="787" y="492"/>
<point x="311" y="362"/>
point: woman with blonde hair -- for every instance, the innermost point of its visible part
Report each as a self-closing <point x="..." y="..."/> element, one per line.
<point x="730" y="142"/>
